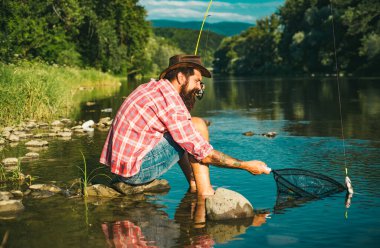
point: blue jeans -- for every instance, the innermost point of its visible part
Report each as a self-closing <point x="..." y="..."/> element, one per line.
<point x="156" y="162"/>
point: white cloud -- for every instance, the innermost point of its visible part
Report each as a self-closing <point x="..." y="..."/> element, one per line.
<point x="162" y="13"/>
<point x="228" y="16"/>
<point x="220" y="11"/>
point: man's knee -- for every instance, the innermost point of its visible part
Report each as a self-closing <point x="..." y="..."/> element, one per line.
<point x="201" y="126"/>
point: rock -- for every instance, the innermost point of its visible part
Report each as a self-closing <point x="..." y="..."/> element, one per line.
<point x="249" y="133"/>
<point x="87" y="126"/>
<point x="57" y="123"/>
<point x="2" y="141"/>
<point x="11" y="206"/>
<point x="41" y="194"/>
<point x="78" y="131"/>
<point x="38" y="136"/>
<point x="106" y="110"/>
<point x="31" y="125"/>
<point x="8" y="129"/>
<point x="76" y="127"/>
<point x="66" y="121"/>
<point x="37" y="143"/>
<point x="270" y="134"/>
<point x="13" y="138"/>
<point x="9" y="161"/>
<point x="17" y="193"/>
<point x="23" y="135"/>
<point x="104" y="120"/>
<point x="227" y="204"/>
<point x="45" y="187"/>
<point x="64" y="134"/>
<point x="156" y="186"/>
<point x="89" y="104"/>
<point x="5" y="195"/>
<point x="43" y="125"/>
<point x="32" y="155"/>
<point x="100" y="190"/>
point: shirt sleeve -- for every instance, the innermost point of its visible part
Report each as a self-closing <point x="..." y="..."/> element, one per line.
<point x="178" y="122"/>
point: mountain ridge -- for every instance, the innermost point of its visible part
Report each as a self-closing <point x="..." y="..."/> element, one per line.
<point x="223" y="28"/>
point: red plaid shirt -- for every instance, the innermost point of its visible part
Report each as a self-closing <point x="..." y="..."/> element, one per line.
<point x="151" y="110"/>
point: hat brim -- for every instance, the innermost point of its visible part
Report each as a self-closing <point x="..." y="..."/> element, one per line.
<point x="203" y="70"/>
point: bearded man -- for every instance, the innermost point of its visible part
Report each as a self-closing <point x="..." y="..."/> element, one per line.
<point x="153" y="130"/>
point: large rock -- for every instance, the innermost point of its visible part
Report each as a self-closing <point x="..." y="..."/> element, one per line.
<point x="100" y="190"/>
<point x="156" y="186"/>
<point x="227" y="204"/>
<point x="11" y="206"/>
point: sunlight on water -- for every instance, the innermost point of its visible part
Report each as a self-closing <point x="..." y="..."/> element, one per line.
<point x="308" y="137"/>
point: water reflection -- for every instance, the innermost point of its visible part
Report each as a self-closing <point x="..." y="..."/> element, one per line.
<point x="150" y="226"/>
<point x="311" y="100"/>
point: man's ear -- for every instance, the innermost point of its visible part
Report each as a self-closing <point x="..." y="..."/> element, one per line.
<point x="181" y="78"/>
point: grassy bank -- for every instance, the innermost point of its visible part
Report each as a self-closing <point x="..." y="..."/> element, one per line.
<point x="31" y="90"/>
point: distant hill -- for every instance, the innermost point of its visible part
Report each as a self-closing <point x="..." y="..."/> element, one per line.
<point x="186" y="39"/>
<point x="223" y="28"/>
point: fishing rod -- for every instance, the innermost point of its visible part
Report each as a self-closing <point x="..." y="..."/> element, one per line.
<point x="201" y="92"/>
<point x="203" y="23"/>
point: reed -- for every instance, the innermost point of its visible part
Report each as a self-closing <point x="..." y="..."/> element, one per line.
<point x="36" y="90"/>
<point x="88" y="177"/>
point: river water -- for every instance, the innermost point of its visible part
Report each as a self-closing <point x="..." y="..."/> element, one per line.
<point x="305" y="115"/>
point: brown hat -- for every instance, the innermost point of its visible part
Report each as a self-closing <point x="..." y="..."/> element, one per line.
<point x="183" y="60"/>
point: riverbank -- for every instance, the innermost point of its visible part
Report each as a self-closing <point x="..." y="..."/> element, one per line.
<point x="42" y="92"/>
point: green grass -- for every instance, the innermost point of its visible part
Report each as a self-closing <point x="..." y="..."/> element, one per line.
<point x="88" y="177"/>
<point x="36" y="90"/>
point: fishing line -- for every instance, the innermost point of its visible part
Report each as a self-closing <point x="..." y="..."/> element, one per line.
<point x="350" y="189"/>
<point x="203" y="23"/>
<point x="338" y="85"/>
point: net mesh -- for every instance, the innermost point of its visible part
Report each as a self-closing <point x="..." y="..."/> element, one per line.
<point x="297" y="185"/>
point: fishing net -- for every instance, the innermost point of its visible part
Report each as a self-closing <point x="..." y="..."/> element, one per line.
<point x="295" y="186"/>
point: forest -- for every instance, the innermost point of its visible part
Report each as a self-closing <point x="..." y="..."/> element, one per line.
<point x="302" y="37"/>
<point x="307" y="37"/>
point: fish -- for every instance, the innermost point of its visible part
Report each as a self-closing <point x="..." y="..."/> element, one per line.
<point x="350" y="189"/>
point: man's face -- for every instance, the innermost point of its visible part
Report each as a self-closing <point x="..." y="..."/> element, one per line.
<point x="190" y="88"/>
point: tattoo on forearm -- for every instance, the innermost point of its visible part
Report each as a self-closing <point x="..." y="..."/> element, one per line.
<point x="223" y="160"/>
<point x="237" y="164"/>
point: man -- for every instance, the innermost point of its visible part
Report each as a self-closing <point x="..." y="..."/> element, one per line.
<point x="153" y="130"/>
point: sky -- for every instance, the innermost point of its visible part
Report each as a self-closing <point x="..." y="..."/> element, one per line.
<point x="223" y="10"/>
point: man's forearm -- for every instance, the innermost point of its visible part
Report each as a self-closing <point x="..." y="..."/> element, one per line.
<point x="222" y="160"/>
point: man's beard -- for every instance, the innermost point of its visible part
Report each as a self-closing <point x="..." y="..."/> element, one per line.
<point x="188" y="97"/>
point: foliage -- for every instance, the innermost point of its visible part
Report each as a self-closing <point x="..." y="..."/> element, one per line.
<point x="158" y="52"/>
<point x="186" y="39"/>
<point x="299" y="38"/>
<point x="43" y="92"/>
<point x="107" y="35"/>
<point x="253" y="52"/>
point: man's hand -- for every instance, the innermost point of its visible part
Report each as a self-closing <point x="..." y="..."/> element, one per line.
<point x="256" y="167"/>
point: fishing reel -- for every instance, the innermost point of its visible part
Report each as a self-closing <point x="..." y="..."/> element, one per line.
<point x="201" y="92"/>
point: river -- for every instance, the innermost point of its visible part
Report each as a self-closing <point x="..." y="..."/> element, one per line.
<point x="305" y="114"/>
